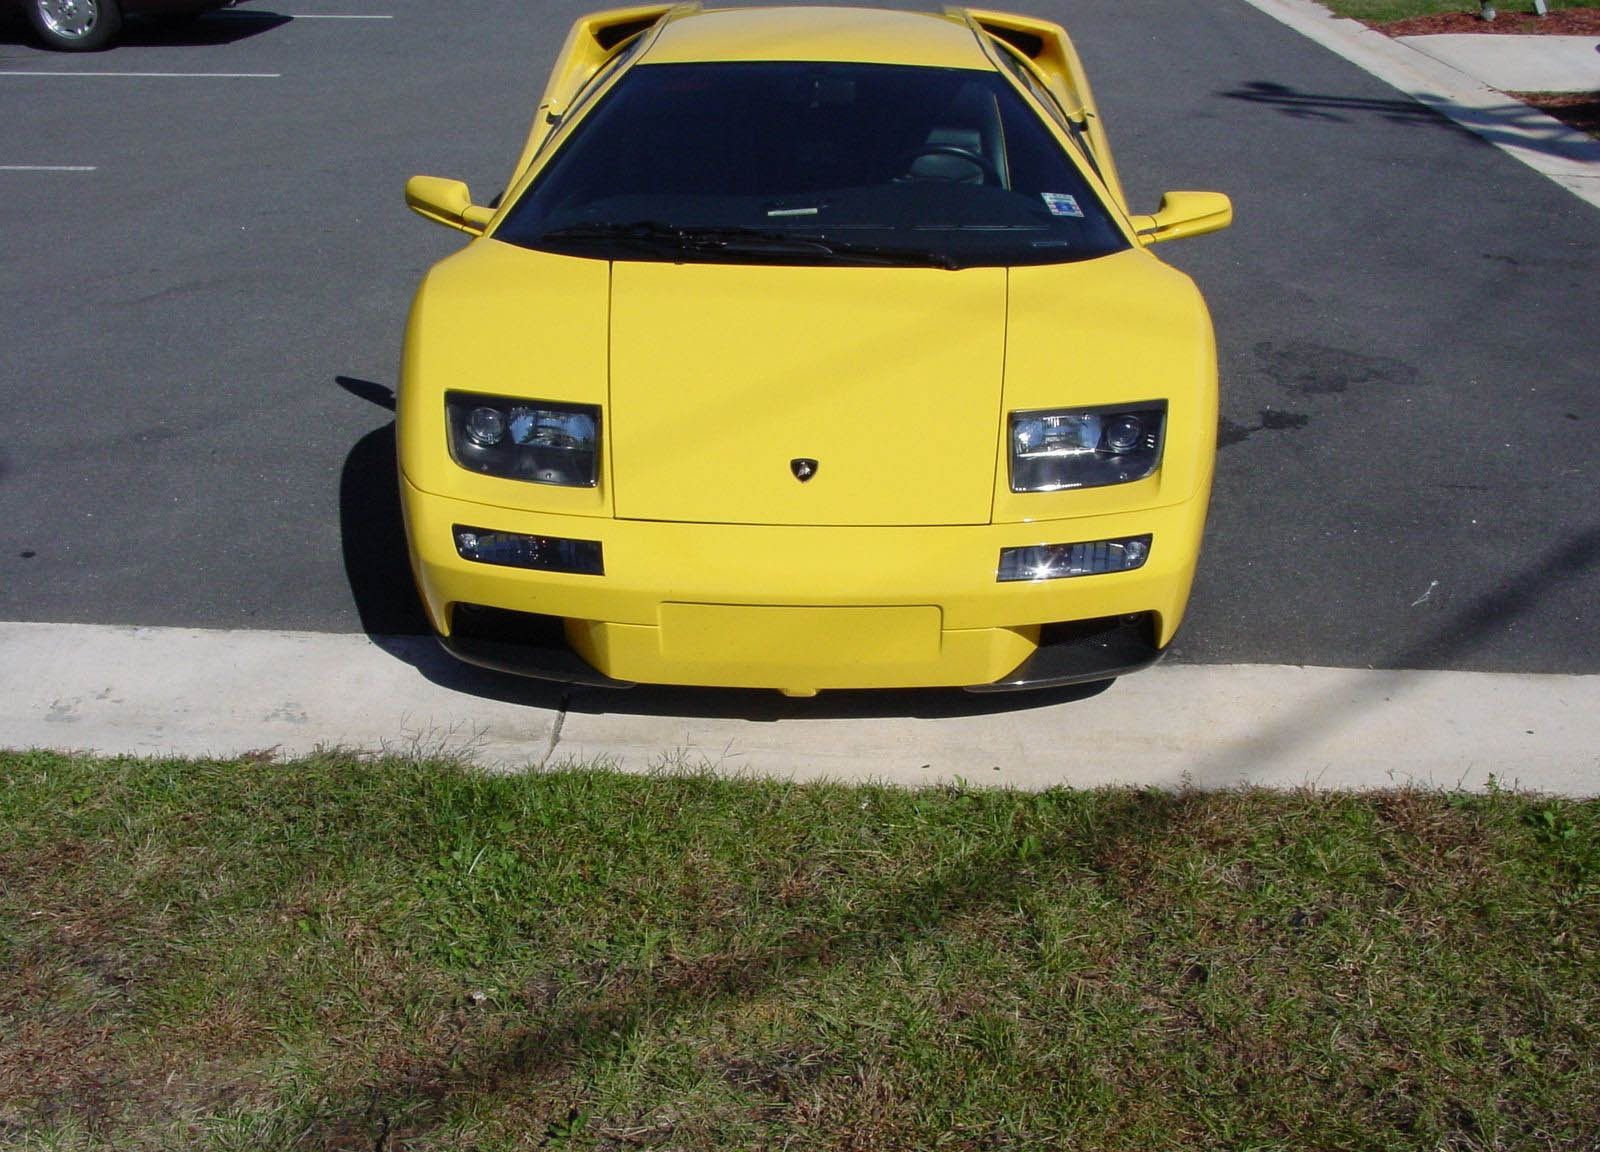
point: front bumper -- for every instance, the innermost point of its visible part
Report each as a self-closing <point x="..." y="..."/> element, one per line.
<point x="803" y="608"/>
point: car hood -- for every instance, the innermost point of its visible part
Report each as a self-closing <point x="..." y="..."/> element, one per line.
<point x="725" y="377"/>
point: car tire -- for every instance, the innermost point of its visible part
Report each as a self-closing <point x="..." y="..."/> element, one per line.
<point x="75" y="25"/>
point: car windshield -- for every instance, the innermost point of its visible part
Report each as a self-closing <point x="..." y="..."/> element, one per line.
<point x="806" y="163"/>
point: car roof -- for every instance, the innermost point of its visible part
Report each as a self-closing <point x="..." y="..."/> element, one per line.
<point x="854" y="35"/>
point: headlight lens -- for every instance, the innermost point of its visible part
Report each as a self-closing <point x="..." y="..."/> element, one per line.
<point x="534" y="440"/>
<point x="1085" y="447"/>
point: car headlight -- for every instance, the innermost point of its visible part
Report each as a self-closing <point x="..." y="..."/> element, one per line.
<point x="1085" y="447"/>
<point x="534" y="440"/>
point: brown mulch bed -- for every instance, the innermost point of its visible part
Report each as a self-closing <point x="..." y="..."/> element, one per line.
<point x="1560" y="22"/>
<point x="1581" y="110"/>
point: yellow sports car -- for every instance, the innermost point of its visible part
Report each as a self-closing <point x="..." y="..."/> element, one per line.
<point x="809" y="348"/>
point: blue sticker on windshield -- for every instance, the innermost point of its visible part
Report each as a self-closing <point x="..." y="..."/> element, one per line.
<point x="1060" y="204"/>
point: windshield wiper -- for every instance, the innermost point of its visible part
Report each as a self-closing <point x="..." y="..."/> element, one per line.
<point x="688" y="239"/>
<point x="889" y="254"/>
<point x="692" y="240"/>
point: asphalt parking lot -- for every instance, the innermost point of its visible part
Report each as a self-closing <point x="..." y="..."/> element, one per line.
<point x="206" y="267"/>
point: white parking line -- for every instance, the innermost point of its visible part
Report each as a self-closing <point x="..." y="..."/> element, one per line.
<point x="48" y="168"/>
<point x="157" y="75"/>
<point x="245" y="14"/>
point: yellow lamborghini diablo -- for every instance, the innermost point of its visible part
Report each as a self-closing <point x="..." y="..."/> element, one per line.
<point x="809" y="348"/>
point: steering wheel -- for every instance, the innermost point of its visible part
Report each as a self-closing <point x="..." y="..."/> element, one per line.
<point x="991" y="174"/>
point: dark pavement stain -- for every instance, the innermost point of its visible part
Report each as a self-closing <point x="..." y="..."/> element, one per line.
<point x="1230" y="432"/>
<point x="1277" y="421"/>
<point x="1318" y="370"/>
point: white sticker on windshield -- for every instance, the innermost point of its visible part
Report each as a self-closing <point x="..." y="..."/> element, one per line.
<point x="1060" y="204"/>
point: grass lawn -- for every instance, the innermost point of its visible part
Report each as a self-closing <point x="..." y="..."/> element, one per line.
<point x="1383" y="11"/>
<point x="342" y="953"/>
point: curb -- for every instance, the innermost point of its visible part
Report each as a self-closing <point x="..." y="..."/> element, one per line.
<point x="174" y="691"/>
<point x="1543" y="143"/>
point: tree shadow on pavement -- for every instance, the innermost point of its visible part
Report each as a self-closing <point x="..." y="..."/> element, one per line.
<point x="1575" y="558"/>
<point x="1339" y="109"/>
<point x="1512" y="123"/>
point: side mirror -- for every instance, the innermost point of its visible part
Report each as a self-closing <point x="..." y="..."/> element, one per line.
<point x="447" y="202"/>
<point x="1185" y="214"/>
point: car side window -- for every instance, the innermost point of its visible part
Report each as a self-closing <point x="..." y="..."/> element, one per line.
<point x="1046" y="99"/>
<point x="586" y="93"/>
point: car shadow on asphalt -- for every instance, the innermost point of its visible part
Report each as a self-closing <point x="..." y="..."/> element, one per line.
<point x="372" y="536"/>
<point x="213" y="30"/>
<point x="762" y="705"/>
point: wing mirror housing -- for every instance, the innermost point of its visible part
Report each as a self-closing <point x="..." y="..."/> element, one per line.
<point x="1184" y="214"/>
<point x="447" y="202"/>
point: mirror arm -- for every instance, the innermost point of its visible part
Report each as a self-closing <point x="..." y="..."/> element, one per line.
<point x="447" y="202"/>
<point x="1183" y="214"/>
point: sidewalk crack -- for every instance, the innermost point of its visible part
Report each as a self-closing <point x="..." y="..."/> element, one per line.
<point x="555" y="729"/>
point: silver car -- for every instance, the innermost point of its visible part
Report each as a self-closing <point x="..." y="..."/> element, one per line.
<point x="86" y="25"/>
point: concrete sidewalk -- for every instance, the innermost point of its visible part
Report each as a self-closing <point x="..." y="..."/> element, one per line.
<point x="1465" y="90"/>
<point x="170" y="691"/>
<point x="1518" y="63"/>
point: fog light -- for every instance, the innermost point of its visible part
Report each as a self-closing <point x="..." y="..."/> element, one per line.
<point x="1090" y="558"/>
<point x="544" y="553"/>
